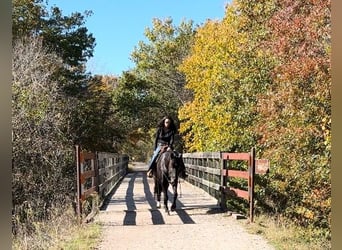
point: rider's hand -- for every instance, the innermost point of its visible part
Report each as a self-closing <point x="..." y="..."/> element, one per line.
<point x="168" y="149"/>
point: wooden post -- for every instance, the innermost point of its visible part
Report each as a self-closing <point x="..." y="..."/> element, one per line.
<point x="97" y="176"/>
<point x="223" y="202"/>
<point x="78" y="181"/>
<point x="251" y="184"/>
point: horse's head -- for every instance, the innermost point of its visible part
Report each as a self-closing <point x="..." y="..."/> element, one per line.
<point x="178" y="163"/>
<point x="171" y="168"/>
<point x="170" y="164"/>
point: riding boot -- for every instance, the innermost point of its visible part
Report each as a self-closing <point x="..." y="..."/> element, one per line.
<point x="149" y="173"/>
<point x="150" y="170"/>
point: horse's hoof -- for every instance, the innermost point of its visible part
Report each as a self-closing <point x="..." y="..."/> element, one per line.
<point x="173" y="209"/>
<point x="158" y="204"/>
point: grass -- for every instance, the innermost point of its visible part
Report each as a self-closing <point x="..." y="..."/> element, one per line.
<point x="85" y="237"/>
<point x="286" y="235"/>
<point x="62" y="231"/>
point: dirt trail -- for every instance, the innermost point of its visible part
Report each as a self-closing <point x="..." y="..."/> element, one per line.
<point x="132" y="221"/>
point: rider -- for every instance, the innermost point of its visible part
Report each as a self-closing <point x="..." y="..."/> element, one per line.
<point x="165" y="134"/>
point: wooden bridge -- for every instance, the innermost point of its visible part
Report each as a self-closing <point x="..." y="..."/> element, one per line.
<point x="131" y="219"/>
<point x="211" y="171"/>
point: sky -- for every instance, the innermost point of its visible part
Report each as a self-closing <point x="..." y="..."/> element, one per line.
<point x="118" y="25"/>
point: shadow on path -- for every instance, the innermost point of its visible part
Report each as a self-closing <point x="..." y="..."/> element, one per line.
<point x="157" y="217"/>
<point x="185" y="211"/>
<point x="108" y="200"/>
<point x="183" y="215"/>
<point x="130" y="213"/>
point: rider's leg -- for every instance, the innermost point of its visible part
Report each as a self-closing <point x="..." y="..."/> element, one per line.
<point x="150" y="169"/>
<point x="152" y="162"/>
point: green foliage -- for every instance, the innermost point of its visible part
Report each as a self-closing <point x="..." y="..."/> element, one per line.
<point x="157" y="61"/>
<point x="50" y="93"/>
<point x="284" y="234"/>
<point x="155" y="86"/>
<point x="132" y="100"/>
<point x="27" y="17"/>
<point x="68" y="36"/>
<point x="93" y="124"/>
<point x="65" y="35"/>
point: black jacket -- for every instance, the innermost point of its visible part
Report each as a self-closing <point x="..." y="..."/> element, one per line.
<point x="164" y="138"/>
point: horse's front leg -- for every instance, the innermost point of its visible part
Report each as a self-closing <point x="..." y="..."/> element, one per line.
<point x="166" y="198"/>
<point x="157" y="193"/>
<point x="158" y="199"/>
<point x="175" y="195"/>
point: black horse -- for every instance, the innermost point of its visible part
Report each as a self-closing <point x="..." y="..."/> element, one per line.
<point x="169" y="164"/>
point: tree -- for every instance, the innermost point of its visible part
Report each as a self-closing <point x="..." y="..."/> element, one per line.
<point x="93" y="124"/>
<point x="42" y="168"/>
<point x="261" y="77"/>
<point x="296" y="112"/>
<point x="65" y="35"/>
<point x="226" y="70"/>
<point x="205" y="118"/>
<point x="68" y="37"/>
<point x="132" y="101"/>
<point x="27" y="17"/>
<point x="49" y="90"/>
<point x="157" y="61"/>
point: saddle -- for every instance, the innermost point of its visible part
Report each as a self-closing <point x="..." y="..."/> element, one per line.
<point x="176" y="154"/>
<point x="162" y="150"/>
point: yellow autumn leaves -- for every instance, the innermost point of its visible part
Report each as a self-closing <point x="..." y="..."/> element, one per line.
<point x="211" y="72"/>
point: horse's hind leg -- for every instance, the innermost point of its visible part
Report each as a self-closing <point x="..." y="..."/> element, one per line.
<point x="175" y="195"/>
<point x="158" y="202"/>
<point x="158" y="199"/>
<point x="157" y="194"/>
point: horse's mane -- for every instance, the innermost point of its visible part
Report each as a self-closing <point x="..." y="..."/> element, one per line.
<point x="165" y="159"/>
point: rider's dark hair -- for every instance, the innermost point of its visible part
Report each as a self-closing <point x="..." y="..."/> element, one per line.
<point x="172" y="125"/>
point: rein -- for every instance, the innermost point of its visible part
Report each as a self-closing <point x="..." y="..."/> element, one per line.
<point x="167" y="178"/>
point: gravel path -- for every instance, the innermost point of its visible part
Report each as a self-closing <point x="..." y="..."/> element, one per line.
<point x="132" y="221"/>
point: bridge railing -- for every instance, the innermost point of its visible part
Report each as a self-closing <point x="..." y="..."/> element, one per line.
<point x="204" y="171"/>
<point x="211" y="172"/>
<point x="98" y="173"/>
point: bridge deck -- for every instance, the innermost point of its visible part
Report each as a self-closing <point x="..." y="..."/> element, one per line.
<point x="132" y="221"/>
